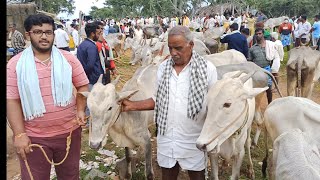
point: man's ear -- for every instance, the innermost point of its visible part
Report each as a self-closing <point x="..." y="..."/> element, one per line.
<point x="27" y="36"/>
<point x="191" y="43"/>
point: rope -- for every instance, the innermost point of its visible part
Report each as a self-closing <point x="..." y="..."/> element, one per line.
<point x="46" y="156"/>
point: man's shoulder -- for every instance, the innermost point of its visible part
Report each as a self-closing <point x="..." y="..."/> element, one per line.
<point x="12" y="63"/>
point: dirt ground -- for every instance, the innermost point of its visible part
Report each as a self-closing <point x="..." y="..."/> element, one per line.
<point x="13" y="168"/>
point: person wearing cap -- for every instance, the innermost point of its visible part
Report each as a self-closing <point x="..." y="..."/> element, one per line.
<point x="285" y="30"/>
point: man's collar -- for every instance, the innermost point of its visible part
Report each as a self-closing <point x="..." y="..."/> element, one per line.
<point x="91" y="40"/>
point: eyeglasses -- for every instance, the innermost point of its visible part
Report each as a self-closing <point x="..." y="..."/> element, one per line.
<point x="40" y="32"/>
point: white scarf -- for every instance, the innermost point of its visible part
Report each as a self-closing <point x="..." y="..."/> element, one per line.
<point x="28" y="83"/>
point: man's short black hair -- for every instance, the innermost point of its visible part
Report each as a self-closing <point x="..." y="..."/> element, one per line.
<point x="59" y="26"/>
<point x="317" y="16"/>
<point x="38" y="20"/>
<point x="91" y="28"/>
<point x="99" y="23"/>
<point x="245" y="31"/>
<point x="259" y="29"/>
<point x="304" y="17"/>
<point x="234" y="26"/>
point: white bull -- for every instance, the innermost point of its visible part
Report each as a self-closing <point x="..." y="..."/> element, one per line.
<point x="303" y="69"/>
<point x="230" y="111"/>
<point x="284" y="115"/>
<point x="127" y="129"/>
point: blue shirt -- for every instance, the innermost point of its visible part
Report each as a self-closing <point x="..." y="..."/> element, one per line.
<point x="106" y="30"/>
<point x="88" y="55"/>
<point x="316" y="29"/>
<point x="236" y="41"/>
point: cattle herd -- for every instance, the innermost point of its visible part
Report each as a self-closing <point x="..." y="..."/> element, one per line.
<point x="291" y="122"/>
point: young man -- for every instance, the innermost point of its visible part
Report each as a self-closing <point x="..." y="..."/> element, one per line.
<point x="263" y="53"/>
<point x="304" y="30"/>
<point x="236" y="40"/>
<point x="178" y="104"/>
<point x="41" y="108"/>
<point x="316" y="31"/>
<point x="285" y="30"/>
<point x="17" y="39"/>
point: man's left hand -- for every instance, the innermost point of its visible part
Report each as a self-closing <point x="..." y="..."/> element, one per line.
<point x="81" y="118"/>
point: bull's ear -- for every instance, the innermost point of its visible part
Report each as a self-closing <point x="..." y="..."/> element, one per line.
<point x="84" y="93"/>
<point x="115" y="82"/>
<point x="125" y="95"/>
<point x="254" y="92"/>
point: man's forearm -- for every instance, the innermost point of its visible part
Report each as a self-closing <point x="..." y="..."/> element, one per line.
<point x="147" y="104"/>
<point x="80" y="99"/>
<point x="15" y="116"/>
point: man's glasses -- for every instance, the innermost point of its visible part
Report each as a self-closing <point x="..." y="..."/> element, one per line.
<point x="40" y="32"/>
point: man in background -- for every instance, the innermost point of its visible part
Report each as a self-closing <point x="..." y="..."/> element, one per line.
<point x="17" y="39"/>
<point x="61" y="39"/>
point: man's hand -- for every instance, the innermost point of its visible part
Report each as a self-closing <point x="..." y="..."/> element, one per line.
<point x="81" y="118"/>
<point x="22" y="145"/>
<point x="126" y="105"/>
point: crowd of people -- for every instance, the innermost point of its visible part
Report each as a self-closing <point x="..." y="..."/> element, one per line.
<point x="42" y="109"/>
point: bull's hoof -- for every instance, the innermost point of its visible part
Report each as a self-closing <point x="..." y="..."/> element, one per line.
<point x="150" y="176"/>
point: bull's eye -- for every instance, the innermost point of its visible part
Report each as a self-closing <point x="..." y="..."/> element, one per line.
<point x="109" y="108"/>
<point x="226" y="105"/>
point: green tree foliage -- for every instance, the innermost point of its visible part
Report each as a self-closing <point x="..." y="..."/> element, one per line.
<point x="51" y="6"/>
<point x="133" y="8"/>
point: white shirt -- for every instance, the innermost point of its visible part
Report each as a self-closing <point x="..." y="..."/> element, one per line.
<point x="304" y="28"/>
<point x="61" y="38"/>
<point x="179" y="140"/>
<point x="75" y="37"/>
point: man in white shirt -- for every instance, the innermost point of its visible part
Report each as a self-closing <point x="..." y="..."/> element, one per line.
<point x="61" y="38"/>
<point x="304" y="30"/>
<point x="179" y="113"/>
<point x="75" y="35"/>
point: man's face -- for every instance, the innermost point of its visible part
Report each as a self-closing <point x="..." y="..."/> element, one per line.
<point x="98" y="33"/>
<point x="259" y="35"/>
<point x="11" y="28"/>
<point x="41" y="37"/>
<point x="180" y="49"/>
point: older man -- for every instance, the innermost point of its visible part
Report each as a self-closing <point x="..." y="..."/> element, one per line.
<point x="17" y="39"/>
<point x="182" y="83"/>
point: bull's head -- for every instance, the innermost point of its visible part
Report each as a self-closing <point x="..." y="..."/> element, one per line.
<point x="227" y="107"/>
<point x="104" y="104"/>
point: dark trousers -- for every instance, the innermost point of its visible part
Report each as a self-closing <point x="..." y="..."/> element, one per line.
<point x="55" y="148"/>
<point x="65" y="48"/>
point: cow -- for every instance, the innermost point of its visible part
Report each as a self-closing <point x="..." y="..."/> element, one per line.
<point x="288" y="113"/>
<point x="226" y="57"/>
<point x="260" y="80"/>
<point x="116" y="42"/>
<point x="274" y="22"/>
<point x="303" y="69"/>
<point x="127" y="129"/>
<point x="230" y="108"/>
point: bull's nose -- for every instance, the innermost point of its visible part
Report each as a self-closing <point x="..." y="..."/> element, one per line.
<point x="95" y="145"/>
<point x="201" y="147"/>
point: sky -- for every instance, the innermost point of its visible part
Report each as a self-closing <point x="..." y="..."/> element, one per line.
<point x="84" y="6"/>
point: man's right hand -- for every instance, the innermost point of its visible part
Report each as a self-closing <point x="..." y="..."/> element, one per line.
<point x="126" y="105"/>
<point x="22" y="145"/>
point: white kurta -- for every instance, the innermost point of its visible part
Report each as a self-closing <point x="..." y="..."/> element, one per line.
<point x="179" y="141"/>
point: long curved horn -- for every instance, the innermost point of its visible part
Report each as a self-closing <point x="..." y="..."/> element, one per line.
<point x="237" y="74"/>
<point x="100" y="79"/>
<point x="246" y="77"/>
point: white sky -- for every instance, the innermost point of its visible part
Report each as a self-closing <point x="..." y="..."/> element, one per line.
<point x="84" y="6"/>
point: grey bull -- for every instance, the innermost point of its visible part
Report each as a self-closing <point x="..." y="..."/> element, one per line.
<point x="230" y="107"/>
<point x="284" y="115"/>
<point x="303" y="69"/>
<point x="127" y="129"/>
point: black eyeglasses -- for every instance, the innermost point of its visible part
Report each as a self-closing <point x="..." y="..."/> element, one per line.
<point x="40" y="32"/>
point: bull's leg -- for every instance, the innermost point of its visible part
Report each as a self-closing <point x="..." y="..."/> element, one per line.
<point x="237" y="164"/>
<point x="248" y="144"/>
<point x="258" y="117"/>
<point x="128" y="160"/>
<point x="148" y="158"/>
<point x="291" y="81"/>
<point x="214" y="166"/>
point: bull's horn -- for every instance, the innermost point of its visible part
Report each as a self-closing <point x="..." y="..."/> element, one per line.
<point x="237" y="74"/>
<point x="246" y="77"/>
<point x="100" y="79"/>
<point x="114" y="82"/>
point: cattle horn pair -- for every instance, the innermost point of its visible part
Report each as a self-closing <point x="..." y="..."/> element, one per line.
<point x="246" y="77"/>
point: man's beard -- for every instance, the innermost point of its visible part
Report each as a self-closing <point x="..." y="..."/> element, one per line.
<point x="36" y="46"/>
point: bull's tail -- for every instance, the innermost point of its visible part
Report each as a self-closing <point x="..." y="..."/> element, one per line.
<point x="274" y="81"/>
<point x="265" y="160"/>
<point x="298" y="68"/>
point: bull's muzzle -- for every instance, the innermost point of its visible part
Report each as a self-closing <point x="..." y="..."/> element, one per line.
<point x="94" y="145"/>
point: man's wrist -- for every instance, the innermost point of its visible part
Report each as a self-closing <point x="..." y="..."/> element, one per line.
<point x="19" y="135"/>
